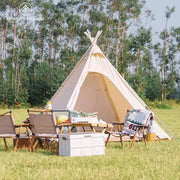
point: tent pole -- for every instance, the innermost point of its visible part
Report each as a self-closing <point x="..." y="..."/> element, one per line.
<point x="163" y="125"/>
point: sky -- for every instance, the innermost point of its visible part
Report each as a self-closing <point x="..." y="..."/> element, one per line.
<point x="158" y="8"/>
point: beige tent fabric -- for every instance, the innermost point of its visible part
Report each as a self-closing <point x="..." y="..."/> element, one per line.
<point x="93" y="97"/>
<point x="63" y="94"/>
<point x="120" y="102"/>
<point x="95" y="85"/>
<point x="100" y="64"/>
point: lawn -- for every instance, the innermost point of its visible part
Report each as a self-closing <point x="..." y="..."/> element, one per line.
<point x="160" y="160"/>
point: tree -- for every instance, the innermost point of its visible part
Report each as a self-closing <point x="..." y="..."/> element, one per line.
<point x="140" y="44"/>
<point x="36" y="57"/>
<point x="168" y="13"/>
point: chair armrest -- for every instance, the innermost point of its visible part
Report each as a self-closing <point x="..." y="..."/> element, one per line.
<point x="117" y="123"/>
<point x="142" y="126"/>
<point x="21" y="125"/>
<point x="109" y="132"/>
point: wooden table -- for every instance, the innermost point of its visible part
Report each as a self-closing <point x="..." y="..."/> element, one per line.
<point x="92" y="126"/>
<point x="72" y="126"/>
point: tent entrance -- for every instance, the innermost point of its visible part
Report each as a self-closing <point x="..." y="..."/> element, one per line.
<point x="94" y="97"/>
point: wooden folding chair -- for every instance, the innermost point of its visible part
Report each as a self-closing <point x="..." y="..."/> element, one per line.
<point x="8" y="129"/>
<point x="122" y="133"/>
<point x="43" y="126"/>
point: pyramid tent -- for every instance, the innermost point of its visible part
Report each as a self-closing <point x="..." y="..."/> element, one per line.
<point x="94" y="85"/>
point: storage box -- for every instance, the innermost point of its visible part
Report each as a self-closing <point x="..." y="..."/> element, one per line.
<point x="81" y="144"/>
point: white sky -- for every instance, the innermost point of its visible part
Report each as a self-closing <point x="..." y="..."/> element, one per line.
<point x="158" y="8"/>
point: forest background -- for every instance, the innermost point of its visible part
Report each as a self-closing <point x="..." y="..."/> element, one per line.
<point x="42" y="41"/>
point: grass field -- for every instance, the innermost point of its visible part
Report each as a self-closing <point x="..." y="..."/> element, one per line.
<point x="160" y="160"/>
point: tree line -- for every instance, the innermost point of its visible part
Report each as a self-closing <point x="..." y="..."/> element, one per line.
<point x="41" y="44"/>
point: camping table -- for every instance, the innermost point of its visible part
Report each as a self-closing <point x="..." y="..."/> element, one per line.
<point x="83" y="125"/>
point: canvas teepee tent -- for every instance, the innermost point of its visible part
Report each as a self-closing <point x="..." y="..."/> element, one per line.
<point x="95" y="85"/>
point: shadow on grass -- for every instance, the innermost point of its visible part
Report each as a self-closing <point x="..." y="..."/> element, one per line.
<point x="115" y="145"/>
<point x="44" y="152"/>
<point x="37" y="151"/>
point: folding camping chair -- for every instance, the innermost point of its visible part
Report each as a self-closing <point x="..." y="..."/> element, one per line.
<point x="136" y="126"/>
<point x="43" y="126"/>
<point x="8" y="129"/>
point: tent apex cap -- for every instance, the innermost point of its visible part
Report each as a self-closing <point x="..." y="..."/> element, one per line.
<point x="93" y="39"/>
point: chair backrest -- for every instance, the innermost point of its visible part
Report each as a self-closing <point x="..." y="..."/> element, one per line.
<point x="7" y="124"/>
<point x="42" y="123"/>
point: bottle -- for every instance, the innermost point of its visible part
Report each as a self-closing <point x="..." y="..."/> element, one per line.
<point x="48" y="106"/>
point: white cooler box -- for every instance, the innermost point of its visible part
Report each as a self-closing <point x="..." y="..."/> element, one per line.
<point x="81" y="144"/>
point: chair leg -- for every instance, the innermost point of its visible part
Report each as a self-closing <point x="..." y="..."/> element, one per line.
<point x="69" y="129"/>
<point x="83" y="129"/>
<point x="5" y="144"/>
<point x="61" y="130"/>
<point x="121" y="140"/>
<point x="107" y="139"/>
<point x="104" y="129"/>
<point x="30" y="141"/>
<point x="134" y="138"/>
<point x="40" y="142"/>
<point x="47" y="143"/>
<point x="31" y="145"/>
<point x="144" y="137"/>
<point x="57" y="148"/>
<point x="35" y="144"/>
<point x="16" y="144"/>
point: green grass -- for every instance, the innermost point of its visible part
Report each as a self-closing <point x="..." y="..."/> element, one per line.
<point x="160" y="160"/>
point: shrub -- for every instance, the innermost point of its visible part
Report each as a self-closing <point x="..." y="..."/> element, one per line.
<point x="159" y="104"/>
